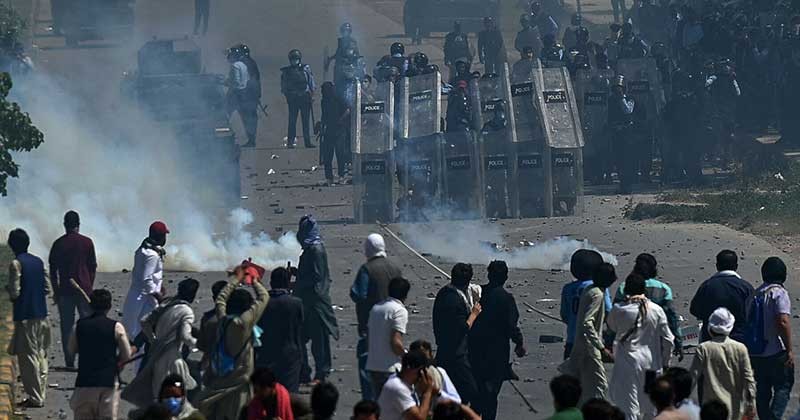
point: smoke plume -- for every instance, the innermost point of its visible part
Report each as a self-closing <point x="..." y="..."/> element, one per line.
<point x="479" y="243"/>
<point x="121" y="172"/>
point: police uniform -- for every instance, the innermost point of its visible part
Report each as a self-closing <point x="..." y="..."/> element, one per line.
<point x="297" y="85"/>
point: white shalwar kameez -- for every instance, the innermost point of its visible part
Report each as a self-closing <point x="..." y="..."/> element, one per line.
<point x="642" y="343"/>
<point x="146" y="278"/>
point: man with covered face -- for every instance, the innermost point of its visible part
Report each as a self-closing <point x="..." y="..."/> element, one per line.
<point x="313" y="288"/>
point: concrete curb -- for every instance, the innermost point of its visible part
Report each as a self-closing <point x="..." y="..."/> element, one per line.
<point x="8" y="372"/>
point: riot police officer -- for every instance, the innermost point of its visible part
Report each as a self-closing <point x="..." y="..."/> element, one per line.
<point x="418" y="65"/>
<point x="528" y="36"/>
<point x="544" y="21"/>
<point x="396" y="59"/>
<point x="346" y="46"/>
<point x="491" y="49"/>
<point x="629" y="45"/>
<point x="522" y="69"/>
<point x="456" y="47"/>
<point x="254" y="82"/>
<point x="351" y="70"/>
<point x="462" y="72"/>
<point x="682" y="153"/>
<point x="459" y="112"/>
<point x="665" y="66"/>
<point x="570" y="38"/>
<point x="552" y="54"/>
<point x="242" y="98"/>
<point x="297" y="85"/>
<point x="620" y="123"/>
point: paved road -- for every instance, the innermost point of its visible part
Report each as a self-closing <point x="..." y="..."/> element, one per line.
<point x="271" y="29"/>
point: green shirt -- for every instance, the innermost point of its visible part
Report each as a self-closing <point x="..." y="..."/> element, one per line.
<point x="568" y="414"/>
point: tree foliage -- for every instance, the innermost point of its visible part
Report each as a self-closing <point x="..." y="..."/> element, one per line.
<point x="17" y="132"/>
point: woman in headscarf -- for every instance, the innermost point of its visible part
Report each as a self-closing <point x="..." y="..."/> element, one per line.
<point x="724" y="366"/>
<point x="313" y="288"/>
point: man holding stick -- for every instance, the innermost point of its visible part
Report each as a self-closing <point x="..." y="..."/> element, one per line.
<point x="72" y="271"/>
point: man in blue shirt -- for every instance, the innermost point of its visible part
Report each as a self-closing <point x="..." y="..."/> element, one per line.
<point x="582" y="265"/>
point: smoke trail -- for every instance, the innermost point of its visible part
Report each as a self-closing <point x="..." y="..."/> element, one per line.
<point x="480" y="243"/>
<point x="121" y="172"/>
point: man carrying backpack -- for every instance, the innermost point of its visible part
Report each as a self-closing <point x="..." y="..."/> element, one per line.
<point x="769" y="341"/>
<point x="227" y="388"/>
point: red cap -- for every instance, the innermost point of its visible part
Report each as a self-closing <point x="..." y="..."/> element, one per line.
<point x="158" y="228"/>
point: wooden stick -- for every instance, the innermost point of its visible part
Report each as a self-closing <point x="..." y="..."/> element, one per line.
<point x="82" y="293"/>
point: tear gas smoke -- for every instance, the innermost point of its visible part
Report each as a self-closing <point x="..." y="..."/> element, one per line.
<point x="121" y="172"/>
<point x="480" y="243"/>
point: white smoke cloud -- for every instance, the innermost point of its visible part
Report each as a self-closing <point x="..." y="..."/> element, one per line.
<point x="479" y="243"/>
<point x="121" y="172"/>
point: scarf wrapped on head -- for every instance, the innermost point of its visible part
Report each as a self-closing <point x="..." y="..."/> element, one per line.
<point x="149" y="244"/>
<point x="308" y="232"/>
<point x="374" y="246"/>
<point x="721" y="321"/>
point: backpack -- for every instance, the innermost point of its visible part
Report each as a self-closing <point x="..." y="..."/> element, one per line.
<point x="755" y="331"/>
<point x="222" y="362"/>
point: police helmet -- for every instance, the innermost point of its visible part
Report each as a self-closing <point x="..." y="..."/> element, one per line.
<point x="431" y="68"/>
<point x="524" y="20"/>
<point x="549" y="40"/>
<point x="576" y="19"/>
<point x="420" y="60"/>
<point x="619" y="81"/>
<point x="234" y="52"/>
<point x="456" y="26"/>
<point x="245" y="50"/>
<point x="488" y="20"/>
<point x="627" y="28"/>
<point x="536" y="7"/>
<point x="581" y="61"/>
<point x="397" y="48"/>
<point x="346" y="28"/>
<point x="527" y="50"/>
<point x="295" y="55"/>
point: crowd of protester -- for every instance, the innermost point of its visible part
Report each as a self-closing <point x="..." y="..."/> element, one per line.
<point x="254" y="341"/>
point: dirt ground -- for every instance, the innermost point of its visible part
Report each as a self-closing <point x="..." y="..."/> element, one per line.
<point x="280" y="198"/>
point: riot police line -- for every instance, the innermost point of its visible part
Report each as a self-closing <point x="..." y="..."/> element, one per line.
<point x="518" y="155"/>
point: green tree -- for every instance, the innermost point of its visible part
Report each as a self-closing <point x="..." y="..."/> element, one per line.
<point x="17" y="132"/>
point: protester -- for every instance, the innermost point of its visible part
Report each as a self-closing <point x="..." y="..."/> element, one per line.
<point x="586" y="360"/>
<point x="73" y="266"/>
<point x="725" y="289"/>
<point x="771" y="356"/>
<point x="366" y="410"/>
<point x="451" y="410"/>
<point x="453" y="317"/>
<point x="370" y="287"/>
<point x="657" y="292"/>
<point x="714" y="410"/>
<point x="439" y="377"/>
<point x="28" y="288"/>
<point x="398" y="401"/>
<point x="168" y="330"/>
<point x="324" y="398"/>
<point x="146" y="279"/>
<point x="582" y="266"/>
<point x="597" y="409"/>
<point x="103" y="346"/>
<point x="387" y="325"/>
<point x="489" y="337"/>
<point x="642" y="347"/>
<point x="566" y="392"/>
<point x="313" y="288"/>
<point x="282" y="338"/>
<point x="227" y="390"/>
<point x="172" y="395"/>
<point x="207" y="336"/>
<point x="682" y="384"/>
<point x="270" y="398"/>
<point x="662" y="397"/>
<point x="725" y="367"/>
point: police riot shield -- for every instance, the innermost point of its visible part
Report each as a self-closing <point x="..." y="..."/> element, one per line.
<point x="373" y="161"/>
<point x="643" y="84"/>
<point x="462" y="189"/>
<point x="422" y="104"/>
<point x="591" y="92"/>
<point x="497" y="137"/>
<point x="418" y="154"/>
<point x="564" y="138"/>
<point x="531" y="195"/>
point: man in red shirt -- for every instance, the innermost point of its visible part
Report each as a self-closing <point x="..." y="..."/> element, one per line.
<point x="72" y="271"/>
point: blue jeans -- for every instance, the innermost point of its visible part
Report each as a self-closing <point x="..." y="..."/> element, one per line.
<point x="774" y="382"/>
<point x="364" y="377"/>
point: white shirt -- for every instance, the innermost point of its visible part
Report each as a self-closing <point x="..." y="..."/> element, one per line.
<point x="384" y="319"/>
<point x="396" y="398"/>
<point x="148" y="272"/>
<point x="239" y="76"/>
